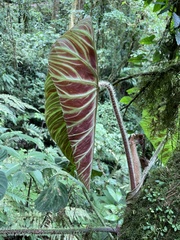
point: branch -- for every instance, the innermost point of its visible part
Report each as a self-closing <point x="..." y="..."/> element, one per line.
<point x="175" y="67"/>
<point x="61" y="231"/>
<point x="136" y="96"/>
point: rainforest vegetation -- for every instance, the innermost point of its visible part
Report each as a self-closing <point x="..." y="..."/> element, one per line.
<point x="49" y="188"/>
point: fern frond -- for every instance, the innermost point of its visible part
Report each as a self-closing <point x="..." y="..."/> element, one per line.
<point x="7" y="112"/>
<point x="33" y="129"/>
<point x="15" y="102"/>
<point x="77" y="214"/>
<point x="16" y="195"/>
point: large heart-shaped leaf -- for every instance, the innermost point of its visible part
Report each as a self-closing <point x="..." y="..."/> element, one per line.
<point x="71" y="96"/>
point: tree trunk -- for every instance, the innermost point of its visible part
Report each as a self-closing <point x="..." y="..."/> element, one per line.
<point x="76" y="12"/>
<point x="55" y="9"/>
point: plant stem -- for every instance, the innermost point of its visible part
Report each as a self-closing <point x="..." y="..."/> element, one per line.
<point x="112" y="94"/>
<point x="29" y="191"/>
<point x="93" y="207"/>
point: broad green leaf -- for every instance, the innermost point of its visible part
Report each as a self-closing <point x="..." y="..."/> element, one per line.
<point x="19" y="178"/>
<point x="53" y="198"/>
<point x="126" y="99"/>
<point x="3" y="154"/>
<point x="71" y="92"/>
<point x="20" y="135"/>
<point x="3" y="184"/>
<point x="159" y="4"/>
<point x="38" y="177"/>
<point x="148" y="40"/>
<point x="156" y="139"/>
<point x="11" y="151"/>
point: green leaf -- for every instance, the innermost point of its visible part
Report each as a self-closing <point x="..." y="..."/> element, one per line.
<point x="126" y="99"/>
<point x="3" y="184"/>
<point x="157" y="138"/>
<point x="138" y="59"/>
<point x="19" y="178"/>
<point x="38" y="177"/>
<point x="11" y="151"/>
<point x="148" y="40"/>
<point x="53" y="198"/>
<point x="20" y="135"/>
<point x="159" y="4"/>
<point x="112" y="217"/>
<point x="3" y="154"/>
<point x="132" y="90"/>
<point x="157" y="56"/>
<point x="147" y="2"/>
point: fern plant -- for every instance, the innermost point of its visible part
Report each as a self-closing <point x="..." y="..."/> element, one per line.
<point x="9" y="105"/>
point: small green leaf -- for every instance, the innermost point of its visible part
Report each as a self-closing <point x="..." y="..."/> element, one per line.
<point x="96" y="173"/>
<point x="147" y="2"/>
<point x="157" y="56"/>
<point x="112" y="217"/>
<point x="53" y="198"/>
<point x="3" y="184"/>
<point x="132" y="90"/>
<point x="126" y="99"/>
<point x="159" y="5"/>
<point x="138" y="59"/>
<point x="148" y="40"/>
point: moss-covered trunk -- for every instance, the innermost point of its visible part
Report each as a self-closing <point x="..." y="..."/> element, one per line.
<point x="156" y="213"/>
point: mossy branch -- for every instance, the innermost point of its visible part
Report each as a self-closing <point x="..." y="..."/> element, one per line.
<point x="61" y="231"/>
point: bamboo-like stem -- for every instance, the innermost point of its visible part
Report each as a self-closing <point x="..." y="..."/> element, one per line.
<point x="112" y="94"/>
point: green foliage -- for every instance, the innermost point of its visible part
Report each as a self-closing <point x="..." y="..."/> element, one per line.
<point x="111" y="204"/>
<point x="157" y="137"/>
<point x="9" y="105"/>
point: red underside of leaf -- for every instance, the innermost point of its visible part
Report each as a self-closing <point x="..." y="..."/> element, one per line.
<point x="73" y="68"/>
